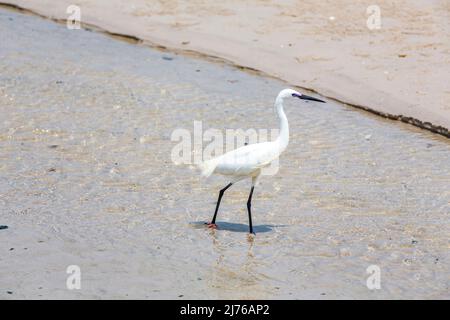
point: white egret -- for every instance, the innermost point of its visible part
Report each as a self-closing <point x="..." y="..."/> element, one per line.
<point x="248" y="161"/>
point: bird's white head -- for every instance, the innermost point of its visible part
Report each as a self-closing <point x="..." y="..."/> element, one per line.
<point x="286" y="93"/>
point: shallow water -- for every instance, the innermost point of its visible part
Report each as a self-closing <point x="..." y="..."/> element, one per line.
<point x="86" y="178"/>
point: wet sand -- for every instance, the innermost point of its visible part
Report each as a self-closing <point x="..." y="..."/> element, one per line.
<point x="86" y="179"/>
<point x="400" y="70"/>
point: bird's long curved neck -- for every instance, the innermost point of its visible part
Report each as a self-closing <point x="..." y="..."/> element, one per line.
<point x="283" y="138"/>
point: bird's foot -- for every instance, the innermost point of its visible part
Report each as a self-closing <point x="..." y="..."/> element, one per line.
<point x="211" y="225"/>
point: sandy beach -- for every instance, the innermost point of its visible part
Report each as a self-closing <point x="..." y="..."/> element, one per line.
<point x="87" y="180"/>
<point x="400" y="70"/>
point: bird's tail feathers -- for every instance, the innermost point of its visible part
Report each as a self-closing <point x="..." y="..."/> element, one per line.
<point x="208" y="167"/>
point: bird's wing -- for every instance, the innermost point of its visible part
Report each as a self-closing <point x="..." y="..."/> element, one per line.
<point x="247" y="159"/>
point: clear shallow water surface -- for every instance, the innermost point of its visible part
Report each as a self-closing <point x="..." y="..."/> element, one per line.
<point x="86" y="178"/>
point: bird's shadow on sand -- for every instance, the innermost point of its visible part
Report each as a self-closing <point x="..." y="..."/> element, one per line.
<point x="235" y="227"/>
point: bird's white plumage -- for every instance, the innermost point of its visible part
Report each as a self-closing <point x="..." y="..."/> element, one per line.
<point x="247" y="161"/>
<point x="244" y="161"/>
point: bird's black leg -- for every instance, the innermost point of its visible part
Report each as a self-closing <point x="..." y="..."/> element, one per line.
<point x="218" y="203"/>
<point x="249" y="205"/>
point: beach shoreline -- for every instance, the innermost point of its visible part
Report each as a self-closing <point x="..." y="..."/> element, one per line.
<point x="407" y="89"/>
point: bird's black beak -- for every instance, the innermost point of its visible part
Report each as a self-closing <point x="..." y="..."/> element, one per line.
<point x="305" y="97"/>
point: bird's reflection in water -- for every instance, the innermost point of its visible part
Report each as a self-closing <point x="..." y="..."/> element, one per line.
<point x="235" y="272"/>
